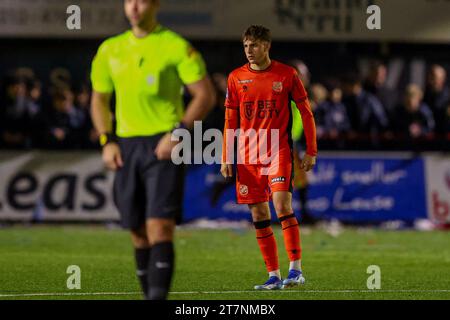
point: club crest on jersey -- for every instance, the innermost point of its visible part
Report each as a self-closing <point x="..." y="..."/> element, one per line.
<point x="249" y="110"/>
<point x="277" y="86"/>
<point x="243" y="190"/>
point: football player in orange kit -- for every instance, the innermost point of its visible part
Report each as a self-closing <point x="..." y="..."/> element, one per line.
<point x="258" y="99"/>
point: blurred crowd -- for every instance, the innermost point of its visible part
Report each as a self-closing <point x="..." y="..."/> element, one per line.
<point x="351" y="112"/>
<point x="56" y="117"/>
<point x="355" y="112"/>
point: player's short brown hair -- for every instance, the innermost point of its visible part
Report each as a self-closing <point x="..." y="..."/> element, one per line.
<point x="257" y="32"/>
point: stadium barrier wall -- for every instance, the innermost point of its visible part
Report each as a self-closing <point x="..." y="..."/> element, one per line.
<point x="318" y="20"/>
<point x="351" y="187"/>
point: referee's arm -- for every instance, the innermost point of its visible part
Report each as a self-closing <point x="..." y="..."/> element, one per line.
<point x="203" y="100"/>
<point x="102" y="119"/>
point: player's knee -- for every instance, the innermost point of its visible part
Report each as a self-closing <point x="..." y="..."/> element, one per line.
<point x="283" y="208"/>
<point x="260" y="215"/>
<point x="139" y="239"/>
<point x="161" y="231"/>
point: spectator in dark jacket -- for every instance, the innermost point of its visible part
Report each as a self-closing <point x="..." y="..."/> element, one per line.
<point x="63" y="126"/>
<point x="413" y="118"/>
<point x="18" y="114"/>
<point x="437" y="94"/>
<point x="366" y="113"/>
<point x="335" y="118"/>
<point x="90" y="136"/>
<point x="376" y="84"/>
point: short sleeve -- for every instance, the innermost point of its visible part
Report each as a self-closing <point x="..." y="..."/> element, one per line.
<point x="231" y="98"/>
<point x="190" y="65"/>
<point x="100" y="72"/>
<point x="298" y="91"/>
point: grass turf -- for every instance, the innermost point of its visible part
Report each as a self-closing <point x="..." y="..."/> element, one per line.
<point x="224" y="264"/>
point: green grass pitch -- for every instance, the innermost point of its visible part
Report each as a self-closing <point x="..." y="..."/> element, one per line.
<point x="224" y="264"/>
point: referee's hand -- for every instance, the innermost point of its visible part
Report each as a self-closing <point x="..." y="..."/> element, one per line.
<point x="112" y="157"/>
<point x="226" y="170"/>
<point x="164" y="148"/>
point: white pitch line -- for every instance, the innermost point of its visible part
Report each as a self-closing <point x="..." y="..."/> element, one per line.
<point x="218" y="292"/>
<point x="309" y="291"/>
<point x="69" y="294"/>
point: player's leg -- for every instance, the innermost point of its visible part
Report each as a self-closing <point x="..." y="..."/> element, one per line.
<point x="281" y="184"/>
<point x="164" y="183"/>
<point x="129" y="198"/>
<point x="161" y="235"/>
<point x="252" y="189"/>
<point x="142" y="252"/>
<point x="267" y="244"/>
<point x="282" y="201"/>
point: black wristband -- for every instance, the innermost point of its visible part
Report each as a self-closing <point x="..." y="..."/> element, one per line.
<point x="106" y="138"/>
<point x="178" y="125"/>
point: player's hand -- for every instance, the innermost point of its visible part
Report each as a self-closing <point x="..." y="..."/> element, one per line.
<point x="226" y="170"/>
<point x="308" y="162"/>
<point x="112" y="157"/>
<point x="164" y="148"/>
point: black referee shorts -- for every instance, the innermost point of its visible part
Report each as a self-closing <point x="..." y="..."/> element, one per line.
<point x="146" y="187"/>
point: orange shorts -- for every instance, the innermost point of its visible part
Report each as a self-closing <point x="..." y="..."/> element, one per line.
<point x="255" y="183"/>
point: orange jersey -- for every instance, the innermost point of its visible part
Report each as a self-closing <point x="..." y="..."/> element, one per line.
<point x="261" y="100"/>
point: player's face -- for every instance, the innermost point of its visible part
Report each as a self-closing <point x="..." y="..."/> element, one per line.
<point x="140" y="12"/>
<point x="256" y="51"/>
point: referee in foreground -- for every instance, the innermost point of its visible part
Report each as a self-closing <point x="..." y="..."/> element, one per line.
<point x="147" y="67"/>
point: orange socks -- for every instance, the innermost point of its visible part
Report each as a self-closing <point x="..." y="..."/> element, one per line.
<point x="291" y="235"/>
<point x="267" y="244"/>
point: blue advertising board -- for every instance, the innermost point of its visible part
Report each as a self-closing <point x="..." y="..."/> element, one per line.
<point x="350" y="189"/>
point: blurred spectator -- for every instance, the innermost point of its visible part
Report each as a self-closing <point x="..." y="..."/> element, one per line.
<point x="216" y="117"/>
<point x="437" y="95"/>
<point x="63" y="125"/>
<point x="90" y="136"/>
<point x="300" y="182"/>
<point x="18" y="113"/>
<point x="366" y="113"/>
<point x="36" y="91"/>
<point x="413" y="118"/>
<point x="375" y="83"/>
<point x="317" y="94"/>
<point x="335" y="120"/>
<point x="303" y="72"/>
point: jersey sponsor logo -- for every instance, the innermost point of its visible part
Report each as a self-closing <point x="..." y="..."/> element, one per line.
<point x="277" y="180"/>
<point x="277" y="86"/>
<point x="265" y="109"/>
<point x="245" y="81"/>
<point x="243" y="190"/>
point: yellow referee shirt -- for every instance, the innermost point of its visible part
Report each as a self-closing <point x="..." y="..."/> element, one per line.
<point x="147" y="75"/>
